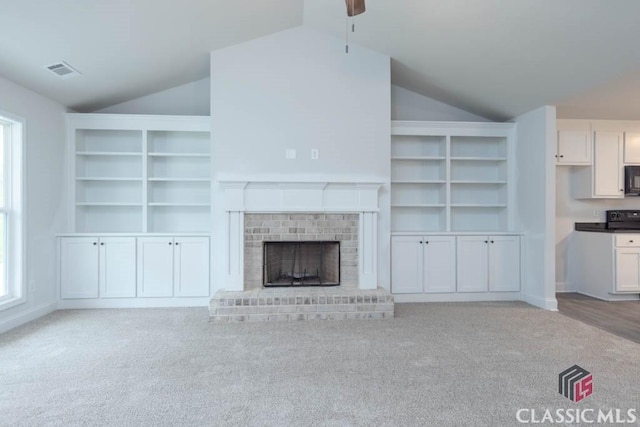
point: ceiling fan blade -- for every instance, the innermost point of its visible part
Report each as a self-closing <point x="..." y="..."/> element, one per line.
<point x="355" y="7"/>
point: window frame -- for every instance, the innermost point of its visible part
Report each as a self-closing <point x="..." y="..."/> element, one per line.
<point x="13" y="209"/>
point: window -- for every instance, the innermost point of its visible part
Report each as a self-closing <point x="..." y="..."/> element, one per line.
<point x="11" y="235"/>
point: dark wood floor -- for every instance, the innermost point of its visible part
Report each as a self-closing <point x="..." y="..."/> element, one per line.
<point x="621" y="318"/>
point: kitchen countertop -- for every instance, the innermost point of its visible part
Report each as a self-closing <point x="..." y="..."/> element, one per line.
<point x="601" y="227"/>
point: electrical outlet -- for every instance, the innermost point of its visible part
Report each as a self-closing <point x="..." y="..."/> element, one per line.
<point x="596" y="213"/>
<point x="314" y="154"/>
<point x="290" y="153"/>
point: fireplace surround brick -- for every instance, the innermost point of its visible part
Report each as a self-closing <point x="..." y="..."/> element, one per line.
<point x="298" y="227"/>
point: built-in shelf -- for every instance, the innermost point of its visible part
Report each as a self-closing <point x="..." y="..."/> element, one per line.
<point x="179" y="154"/>
<point x="105" y="178"/>
<point x="109" y="153"/>
<point x="418" y="205"/>
<point x="479" y="159"/>
<point x="179" y="179"/>
<point x="107" y="204"/>
<point x="427" y="158"/>
<point x="180" y="204"/>
<point x="150" y="176"/>
<point x="478" y="182"/>
<point x="476" y="205"/>
<point x="450" y="177"/>
<point x="419" y="181"/>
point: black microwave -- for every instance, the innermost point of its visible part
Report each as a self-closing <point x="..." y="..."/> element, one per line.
<point x="632" y="180"/>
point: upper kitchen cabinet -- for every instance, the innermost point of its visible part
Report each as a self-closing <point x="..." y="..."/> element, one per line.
<point x="574" y="143"/>
<point x="604" y="179"/>
<point x="632" y="148"/>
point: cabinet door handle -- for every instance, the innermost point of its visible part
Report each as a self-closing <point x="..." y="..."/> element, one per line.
<point x="562" y="156"/>
<point x="420" y="241"/>
<point x="630" y="241"/>
<point x="426" y="242"/>
<point x="492" y="241"/>
<point x="556" y="156"/>
<point x="170" y="243"/>
<point x="95" y="243"/>
<point x="486" y="241"/>
<point x="177" y="243"/>
<point x="101" y="243"/>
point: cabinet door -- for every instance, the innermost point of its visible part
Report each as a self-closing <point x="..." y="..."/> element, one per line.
<point x="191" y="267"/>
<point x="155" y="267"/>
<point x="627" y="270"/>
<point x="504" y="263"/>
<point x="472" y="263"/>
<point x="632" y="147"/>
<point x="117" y="267"/>
<point x="439" y="264"/>
<point x="79" y="267"/>
<point x="574" y="147"/>
<point x="607" y="165"/>
<point x="406" y="264"/>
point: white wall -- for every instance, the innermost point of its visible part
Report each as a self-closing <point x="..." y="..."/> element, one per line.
<point x="45" y="160"/>
<point x="407" y="105"/>
<point x="535" y="175"/>
<point x="188" y="99"/>
<point x="298" y="89"/>
<point x="194" y="99"/>
<point x="568" y="212"/>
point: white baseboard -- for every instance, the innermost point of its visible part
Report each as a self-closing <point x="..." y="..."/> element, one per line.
<point x="564" y="287"/>
<point x="66" y="304"/>
<point x="27" y="316"/>
<point x="613" y="297"/>
<point x="546" y="303"/>
<point x="458" y="297"/>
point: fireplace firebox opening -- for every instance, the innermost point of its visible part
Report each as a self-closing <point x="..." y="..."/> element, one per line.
<point x="301" y="263"/>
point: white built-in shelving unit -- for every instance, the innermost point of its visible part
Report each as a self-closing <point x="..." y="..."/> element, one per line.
<point x="140" y="174"/>
<point x="450" y="177"/>
<point x="139" y="229"/>
<point x="452" y="212"/>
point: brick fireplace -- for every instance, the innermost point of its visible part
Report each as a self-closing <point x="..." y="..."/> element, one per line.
<point x="261" y="228"/>
<point x="259" y="212"/>
<point x="301" y="263"/>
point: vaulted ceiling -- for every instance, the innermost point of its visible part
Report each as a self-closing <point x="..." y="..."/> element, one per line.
<point x="495" y="58"/>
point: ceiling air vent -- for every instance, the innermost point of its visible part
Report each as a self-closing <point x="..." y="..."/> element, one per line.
<point x="63" y="70"/>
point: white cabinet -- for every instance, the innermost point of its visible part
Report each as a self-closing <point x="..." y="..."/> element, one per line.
<point x="406" y="264"/>
<point x="574" y="143"/>
<point x="605" y="265"/>
<point x="627" y="263"/>
<point x="607" y="164"/>
<point x="93" y="267"/>
<point x="604" y="179"/>
<point x="173" y="266"/>
<point x="450" y="176"/>
<point x="488" y="263"/>
<point x="632" y="148"/>
<point x="139" y="173"/>
<point x="574" y="147"/>
<point x="423" y="264"/>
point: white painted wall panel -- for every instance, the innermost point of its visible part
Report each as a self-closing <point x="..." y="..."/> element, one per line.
<point x="298" y="89"/>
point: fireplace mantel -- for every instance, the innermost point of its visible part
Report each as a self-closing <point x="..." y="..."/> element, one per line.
<point x="270" y="196"/>
<point x="242" y="197"/>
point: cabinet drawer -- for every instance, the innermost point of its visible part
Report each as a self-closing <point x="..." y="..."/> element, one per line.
<point x="627" y="240"/>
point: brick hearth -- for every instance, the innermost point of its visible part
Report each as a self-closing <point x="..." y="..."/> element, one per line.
<point x="277" y="304"/>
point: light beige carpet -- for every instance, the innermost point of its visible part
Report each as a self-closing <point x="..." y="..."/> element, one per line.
<point x="435" y="364"/>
